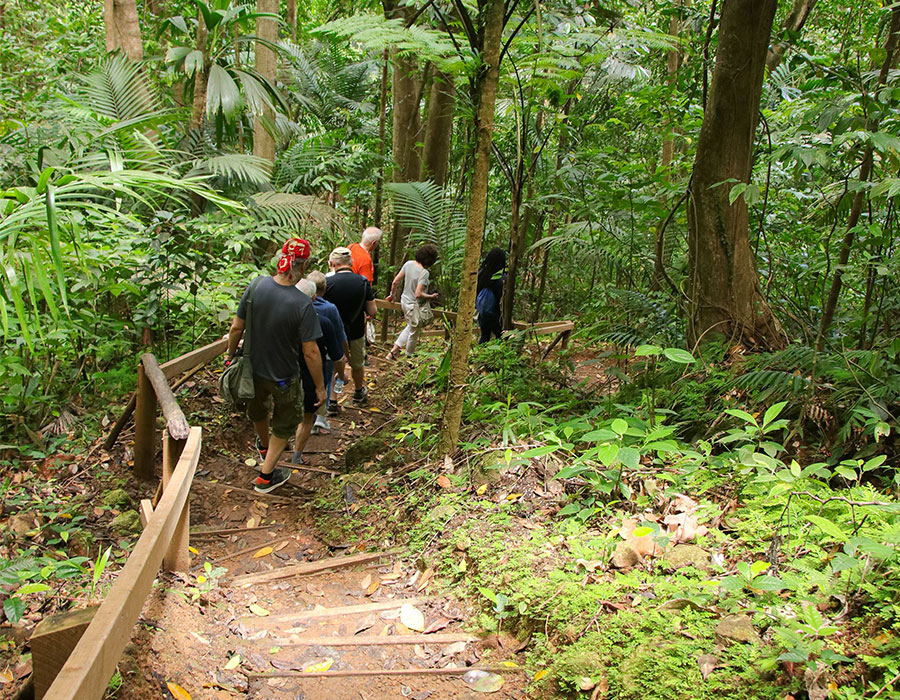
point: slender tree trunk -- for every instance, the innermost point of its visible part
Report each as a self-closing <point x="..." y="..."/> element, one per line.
<point x="515" y="249"/>
<point x="382" y="126"/>
<point x="123" y="29"/>
<point x="290" y="18"/>
<point x="485" y="99"/>
<point x="439" y="129"/>
<point x="726" y="300"/>
<point x="856" y="208"/>
<point x="266" y="66"/>
<point x="674" y="58"/>
<point x="792" y="25"/>
<point x="201" y="76"/>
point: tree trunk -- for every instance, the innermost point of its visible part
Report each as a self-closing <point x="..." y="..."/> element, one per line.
<point x="382" y="124"/>
<point x="267" y="67"/>
<point x="201" y="76"/>
<point x="439" y="129"/>
<point x="674" y="58"/>
<point x="792" y="24"/>
<point x="726" y="300"/>
<point x="485" y="99"/>
<point x="290" y="18"/>
<point x="123" y="30"/>
<point x="865" y="172"/>
<point x="515" y="249"/>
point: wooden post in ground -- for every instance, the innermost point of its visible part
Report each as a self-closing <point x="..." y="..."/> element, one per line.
<point x="51" y="643"/>
<point x="177" y="556"/>
<point x="144" y="426"/>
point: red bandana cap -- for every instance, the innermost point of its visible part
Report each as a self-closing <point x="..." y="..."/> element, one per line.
<point x="293" y="249"/>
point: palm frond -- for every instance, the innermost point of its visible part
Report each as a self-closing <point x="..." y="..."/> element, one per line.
<point x="235" y="167"/>
<point x="293" y="211"/>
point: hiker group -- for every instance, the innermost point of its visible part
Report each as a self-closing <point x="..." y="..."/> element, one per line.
<point x="301" y="331"/>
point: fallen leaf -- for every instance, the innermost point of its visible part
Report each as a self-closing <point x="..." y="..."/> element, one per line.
<point x="178" y="692"/>
<point x="6" y="676"/>
<point x="264" y="552"/>
<point x="514" y="497"/>
<point x="483" y="681"/>
<point x="400" y="628"/>
<point x="281" y="545"/>
<point x="480" y="490"/>
<point x="438" y="624"/>
<point x="366" y="582"/>
<point x="258" y="610"/>
<point x="372" y="587"/>
<point x="412" y="617"/>
<point x="540" y="674"/>
<point x="250" y="462"/>
<point x="426" y="578"/>
<point x="707" y="663"/>
<point x="233" y="663"/>
<point x="193" y="550"/>
<point x="455" y="648"/>
<point x="319" y="667"/>
<point x="364" y="624"/>
<point x="424" y="695"/>
<point x="251" y="523"/>
<point x="274" y="650"/>
<point x="444" y="482"/>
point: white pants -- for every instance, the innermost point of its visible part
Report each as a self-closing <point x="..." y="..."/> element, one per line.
<point x="409" y="336"/>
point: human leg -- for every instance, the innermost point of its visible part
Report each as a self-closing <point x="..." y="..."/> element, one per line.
<point x="286" y="415"/>
<point x="357" y="370"/>
<point x="413" y="340"/>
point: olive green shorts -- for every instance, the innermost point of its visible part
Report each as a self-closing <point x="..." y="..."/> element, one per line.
<point x="287" y="401"/>
<point x="357" y="352"/>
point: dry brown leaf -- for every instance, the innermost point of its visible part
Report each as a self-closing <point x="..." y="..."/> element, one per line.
<point x="373" y="587"/>
<point x="444" y="482"/>
<point x="707" y="663"/>
<point x="412" y="617"/>
<point x="438" y="624"/>
<point x="366" y="582"/>
<point x="251" y="522"/>
<point x="426" y="578"/>
<point x="178" y="692"/>
<point x="264" y="552"/>
<point x="280" y="546"/>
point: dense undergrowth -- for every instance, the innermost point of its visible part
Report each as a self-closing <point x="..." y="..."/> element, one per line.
<point x="779" y="577"/>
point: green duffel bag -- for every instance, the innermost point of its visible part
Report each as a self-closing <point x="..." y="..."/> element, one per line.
<point x="236" y="382"/>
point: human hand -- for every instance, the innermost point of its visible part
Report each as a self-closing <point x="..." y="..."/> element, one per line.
<point x="389" y="297"/>
<point x="320" y="396"/>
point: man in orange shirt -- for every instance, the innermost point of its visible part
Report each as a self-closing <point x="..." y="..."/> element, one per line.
<point x="362" y="253"/>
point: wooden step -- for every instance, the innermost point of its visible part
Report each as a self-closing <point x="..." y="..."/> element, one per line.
<point x="307" y="568"/>
<point x="338" y="611"/>
<point x="369" y="640"/>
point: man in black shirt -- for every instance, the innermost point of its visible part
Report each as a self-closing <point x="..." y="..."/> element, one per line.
<point x="283" y="324"/>
<point x="353" y="296"/>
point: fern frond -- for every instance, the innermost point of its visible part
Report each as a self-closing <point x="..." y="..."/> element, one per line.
<point x="292" y="211"/>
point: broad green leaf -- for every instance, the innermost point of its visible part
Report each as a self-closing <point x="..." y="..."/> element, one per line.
<point x="757" y="567"/>
<point x="642" y="531"/>
<point x="15" y="291"/>
<point x="221" y="93"/>
<point x="828" y="527"/>
<point x="767" y="583"/>
<point x="14" y="608"/>
<point x="647" y="350"/>
<point x="743" y="415"/>
<point x="630" y="457"/>
<point x="619" y="426"/>
<point x="607" y="454"/>
<point x="772" y="412"/>
<point x="55" y="251"/>
<point x="30" y="588"/>
<point x="680" y="356"/>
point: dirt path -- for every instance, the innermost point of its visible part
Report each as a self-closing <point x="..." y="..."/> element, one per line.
<point x="219" y="635"/>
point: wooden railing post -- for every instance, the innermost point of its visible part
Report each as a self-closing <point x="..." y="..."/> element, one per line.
<point x="177" y="556"/>
<point x="144" y="426"/>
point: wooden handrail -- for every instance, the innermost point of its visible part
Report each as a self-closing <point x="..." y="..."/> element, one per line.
<point x="176" y="423"/>
<point x="200" y="356"/>
<point x="87" y="672"/>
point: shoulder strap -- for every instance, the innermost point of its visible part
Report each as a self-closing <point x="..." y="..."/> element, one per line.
<point x="253" y="285"/>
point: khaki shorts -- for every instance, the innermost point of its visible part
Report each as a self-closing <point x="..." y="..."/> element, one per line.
<point x="288" y="406"/>
<point x="357" y="352"/>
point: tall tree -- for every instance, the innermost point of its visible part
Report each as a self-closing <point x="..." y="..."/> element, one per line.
<point x="865" y="173"/>
<point x="793" y="23"/>
<point x="487" y="42"/>
<point x="267" y="67"/>
<point x="725" y="296"/>
<point x="438" y="129"/>
<point x="123" y="30"/>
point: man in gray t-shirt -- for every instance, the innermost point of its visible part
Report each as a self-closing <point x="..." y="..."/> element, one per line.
<point x="283" y="323"/>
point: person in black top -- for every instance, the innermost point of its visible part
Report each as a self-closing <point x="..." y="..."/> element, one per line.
<point x="489" y="293"/>
<point x="284" y="324"/>
<point x="353" y="296"/>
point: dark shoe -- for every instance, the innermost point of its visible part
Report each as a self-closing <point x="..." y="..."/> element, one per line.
<point x="334" y="408"/>
<point x="261" y="451"/>
<point x="361" y="396"/>
<point x="276" y="479"/>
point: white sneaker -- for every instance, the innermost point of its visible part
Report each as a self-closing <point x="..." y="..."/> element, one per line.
<point x="338" y="385"/>
<point x="321" y="425"/>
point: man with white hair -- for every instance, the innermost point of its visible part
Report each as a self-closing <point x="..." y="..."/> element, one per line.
<point x="362" y="253"/>
<point x="353" y="296"/>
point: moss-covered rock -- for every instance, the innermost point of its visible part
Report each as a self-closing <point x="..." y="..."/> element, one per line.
<point x="127" y="523"/>
<point x="487" y="468"/>
<point x="685" y="556"/>
<point x="362" y="451"/>
<point x="116" y="498"/>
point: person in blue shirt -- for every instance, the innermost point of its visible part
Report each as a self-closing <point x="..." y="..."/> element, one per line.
<point x="325" y="309"/>
<point x="489" y="292"/>
<point x="331" y="349"/>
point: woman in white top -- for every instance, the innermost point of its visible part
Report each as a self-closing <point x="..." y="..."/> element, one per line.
<point x="414" y="276"/>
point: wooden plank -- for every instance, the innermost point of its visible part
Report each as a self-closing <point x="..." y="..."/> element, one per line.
<point x="395" y="306"/>
<point x="176" y="423"/>
<point x="247" y="492"/>
<point x="369" y="640"/>
<point x="247" y="550"/>
<point x="308" y="468"/>
<point x="178" y="557"/>
<point x="338" y="611"/>
<point x="456" y="671"/>
<point x="200" y="356"/>
<point x="145" y="511"/>
<point x="89" y="668"/>
<point x="550" y="330"/>
<point x="231" y="530"/>
<point x="144" y="426"/>
<point x="53" y="641"/>
<point x="312" y="567"/>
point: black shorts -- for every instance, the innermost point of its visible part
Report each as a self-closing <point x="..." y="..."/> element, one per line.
<point x="309" y="390"/>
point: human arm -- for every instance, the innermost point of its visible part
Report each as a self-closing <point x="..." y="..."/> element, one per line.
<point x="313" y="359"/>
<point x="234" y="337"/>
<point x="422" y="292"/>
<point x="395" y="285"/>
